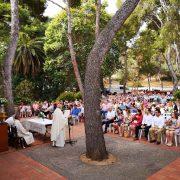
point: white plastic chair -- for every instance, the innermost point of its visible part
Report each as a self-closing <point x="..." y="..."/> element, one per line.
<point x="140" y="133"/>
<point x="176" y="138"/>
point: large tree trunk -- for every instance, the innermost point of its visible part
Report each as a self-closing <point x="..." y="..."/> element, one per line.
<point x="97" y="31"/>
<point x="95" y="144"/>
<point x="72" y="52"/>
<point x="9" y="57"/>
<point x="170" y="67"/>
<point x="125" y="73"/>
<point x="98" y="12"/>
<point x="177" y="56"/>
<point x="161" y="82"/>
<point x="101" y="83"/>
<point x="149" y="81"/>
<point x="159" y="75"/>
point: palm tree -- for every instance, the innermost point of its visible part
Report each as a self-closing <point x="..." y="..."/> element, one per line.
<point x="29" y="55"/>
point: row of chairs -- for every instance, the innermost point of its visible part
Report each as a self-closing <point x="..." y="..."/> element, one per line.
<point x="141" y="132"/>
<point x="176" y="137"/>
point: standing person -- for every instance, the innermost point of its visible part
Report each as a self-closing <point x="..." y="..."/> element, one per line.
<point x="157" y="127"/>
<point x="58" y="127"/>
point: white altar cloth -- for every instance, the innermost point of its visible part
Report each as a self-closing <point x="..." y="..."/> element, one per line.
<point x="38" y="125"/>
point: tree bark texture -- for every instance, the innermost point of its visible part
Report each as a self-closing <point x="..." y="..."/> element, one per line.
<point x="160" y="73"/>
<point x="98" y="12"/>
<point x="97" y="31"/>
<point x="177" y="56"/>
<point x="95" y="144"/>
<point x="9" y="57"/>
<point x="72" y="51"/>
<point x="149" y="81"/>
<point x="170" y="67"/>
<point x="101" y="82"/>
<point x="125" y="73"/>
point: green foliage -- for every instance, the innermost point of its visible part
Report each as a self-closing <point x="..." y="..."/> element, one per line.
<point x="69" y="96"/>
<point x="24" y="92"/>
<point x="66" y="96"/>
<point x="74" y="3"/>
<point x="78" y="95"/>
<point x="119" y="3"/>
<point x="35" y="7"/>
<point x="5" y="20"/>
<point x="3" y="47"/>
<point x="3" y="101"/>
<point x="58" y="62"/>
<point x="29" y="55"/>
<point x="176" y="95"/>
<point x="137" y="84"/>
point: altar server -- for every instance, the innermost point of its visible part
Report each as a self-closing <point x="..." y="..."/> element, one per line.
<point x="21" y="132"/>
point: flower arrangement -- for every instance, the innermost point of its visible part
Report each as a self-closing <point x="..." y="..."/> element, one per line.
<point x="3" y="101"/>
<point x="41" y="115"/>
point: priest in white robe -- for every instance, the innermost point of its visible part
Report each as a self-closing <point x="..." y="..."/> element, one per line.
<point x="58" y="127"/>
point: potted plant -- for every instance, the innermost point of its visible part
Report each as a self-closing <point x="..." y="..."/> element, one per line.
<point x="41" y="115"/>
<point x="3" y="101"/>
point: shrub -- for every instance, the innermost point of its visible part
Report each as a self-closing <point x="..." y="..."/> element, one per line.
<point x="3" y="101"/>
<point x="78" y="95"/>
<point x="177" y="95"/>
<point x="24" y="92"/>
<point x="137" y="84"/>
<point x="66" y="96"/>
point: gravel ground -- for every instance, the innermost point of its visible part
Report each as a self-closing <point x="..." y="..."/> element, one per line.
<point x="135" y="160"/>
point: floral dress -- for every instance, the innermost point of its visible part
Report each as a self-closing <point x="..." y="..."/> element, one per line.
<point x="177" y="130"/>
<point x="173" y="125"/>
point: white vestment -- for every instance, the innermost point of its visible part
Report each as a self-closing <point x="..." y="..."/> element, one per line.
<point x="28" y="136"/>
<point x="58" y="128"/>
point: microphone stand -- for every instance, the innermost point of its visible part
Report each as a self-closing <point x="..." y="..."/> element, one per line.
<point x="70" y="141"/>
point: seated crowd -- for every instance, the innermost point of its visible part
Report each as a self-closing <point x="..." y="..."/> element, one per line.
<point x="132" y="114"/>
<point x="76" y="109"/>
<point x="18" y="135"/>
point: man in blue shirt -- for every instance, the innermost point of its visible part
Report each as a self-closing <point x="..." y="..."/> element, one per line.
<point x="75" y="112"/>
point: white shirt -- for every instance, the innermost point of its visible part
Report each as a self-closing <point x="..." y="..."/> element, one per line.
<point x="45" y="106"/>
<point x="10" y="121"/>
<point x="82" y="110"/>
<point x="110" y="115"/>
<point x="158" y="121"/>
<point x="104" y="107"/>
<point x="162" y="110"/>
<point x="148" y="119"/>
